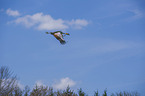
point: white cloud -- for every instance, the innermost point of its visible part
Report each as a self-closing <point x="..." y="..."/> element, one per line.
<point x="46" y="22"/>
<point x="63" y="83"/>
<point x="39" y="83"/>
<point x="78" y="23"/>
<point x="12" y="12"/>
<point x="21" y="86"/>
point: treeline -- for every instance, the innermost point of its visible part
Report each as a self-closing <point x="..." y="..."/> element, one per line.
<point x="9" y="87"/>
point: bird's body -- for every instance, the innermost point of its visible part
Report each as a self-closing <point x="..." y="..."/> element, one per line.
<point x="58" y="35"/>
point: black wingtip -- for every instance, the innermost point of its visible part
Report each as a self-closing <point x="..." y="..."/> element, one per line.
<point x="62" y="42"/>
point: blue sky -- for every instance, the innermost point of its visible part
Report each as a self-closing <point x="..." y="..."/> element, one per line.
<point x="105" y="49"/>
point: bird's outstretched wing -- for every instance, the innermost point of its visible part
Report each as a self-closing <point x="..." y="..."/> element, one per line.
<point x="62" y="42"/>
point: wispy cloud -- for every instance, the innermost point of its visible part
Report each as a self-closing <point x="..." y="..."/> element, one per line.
<point x="107" y="46"/>
<point x="137" y="14"/>
<point x="1" y="10"/>
<point x="47" y="22"/>
<point x="11" y="12"/>
<point x="103" y="47"/>
<point x="63" y="83"/>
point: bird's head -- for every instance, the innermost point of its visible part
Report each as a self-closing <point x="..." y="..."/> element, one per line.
<point x="67" y="33"/>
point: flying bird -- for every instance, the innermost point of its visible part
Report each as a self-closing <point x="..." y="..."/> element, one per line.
<point x="59" y="36"/>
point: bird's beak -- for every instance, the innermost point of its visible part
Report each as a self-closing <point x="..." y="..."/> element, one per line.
<point x="67" y="33"/>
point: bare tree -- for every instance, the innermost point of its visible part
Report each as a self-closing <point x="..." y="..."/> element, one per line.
<point x="26" y="91"/>
<point x="96" y="93"/>
<point x="81" y="93"/>
<point x="105" y="92"/>
<point x="39" y="91"/>
<point x="7" y="81"/>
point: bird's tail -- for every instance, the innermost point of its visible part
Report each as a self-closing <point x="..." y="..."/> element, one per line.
<point x="47" y="32"/>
